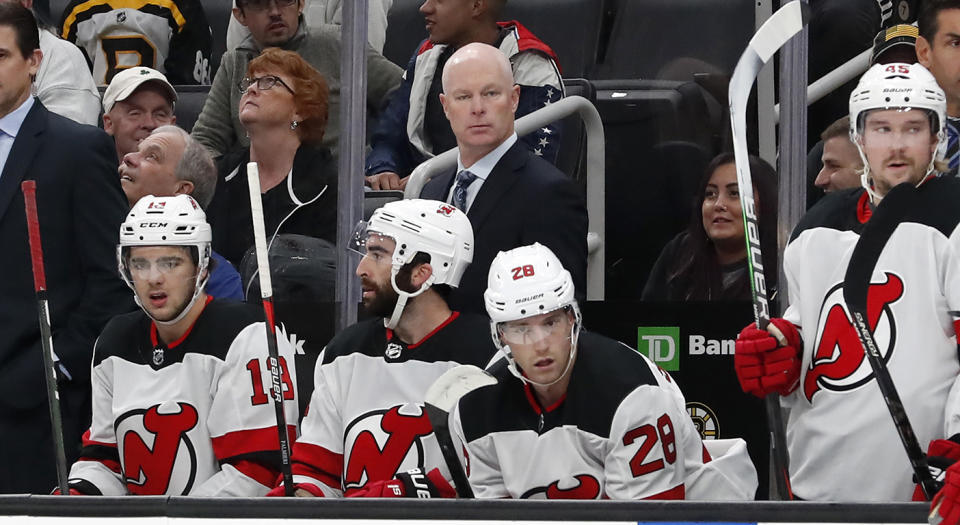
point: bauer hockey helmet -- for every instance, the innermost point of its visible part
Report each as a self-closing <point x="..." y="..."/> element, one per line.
<point x="897" y="86"/>
<point x="166" y="221"/>
<point x="524" y="282"/>
<point x="417" y="225"/>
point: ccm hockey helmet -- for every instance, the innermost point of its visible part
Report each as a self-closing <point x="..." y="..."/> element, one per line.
<point x="166" y="221"/>
<point x="419" y="225"/>
<point x="524" y="282"/>
<point x="897" y="86"/>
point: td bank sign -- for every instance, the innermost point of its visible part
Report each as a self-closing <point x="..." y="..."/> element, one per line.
<point x="661" y="344"/>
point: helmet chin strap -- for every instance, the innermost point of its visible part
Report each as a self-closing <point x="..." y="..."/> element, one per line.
<point x="402" y="297"/>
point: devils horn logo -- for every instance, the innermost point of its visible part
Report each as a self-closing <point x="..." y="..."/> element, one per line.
<point x="158" y="457"/>
<point x="838" y="362"/>
<point x="587" y="487"/>
<point x="384" y="442"/>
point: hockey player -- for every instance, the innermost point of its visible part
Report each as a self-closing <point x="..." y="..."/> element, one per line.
<point x="181" y="399"/>
<point x="840" y="438"/>
<point x="577" y="415"/>
<point x="365" y="421"/>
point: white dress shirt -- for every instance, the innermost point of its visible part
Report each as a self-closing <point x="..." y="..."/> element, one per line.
<point x="481" y="169"/>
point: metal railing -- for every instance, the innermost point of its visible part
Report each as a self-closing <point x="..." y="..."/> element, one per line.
<point x="596" y="185"/>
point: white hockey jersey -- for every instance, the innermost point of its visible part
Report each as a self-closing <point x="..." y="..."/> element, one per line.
<point x="842" y="442"/>
<point x="171" y="36"/>
<point x="365" y="421"/>
<point x="620" y="432"/>
<point x="193" y="417"/>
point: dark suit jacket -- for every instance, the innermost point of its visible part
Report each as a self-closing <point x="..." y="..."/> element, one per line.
<point x="80" y="205"/>
<point x="524" y="200"/>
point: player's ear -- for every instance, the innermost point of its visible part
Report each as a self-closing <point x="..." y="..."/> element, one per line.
<point x="420" y="275"/>
<point x="238" y="14"/>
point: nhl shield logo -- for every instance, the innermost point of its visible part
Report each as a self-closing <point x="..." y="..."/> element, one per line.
<point x="157" y="356"/>
<point x="393" y="350"/>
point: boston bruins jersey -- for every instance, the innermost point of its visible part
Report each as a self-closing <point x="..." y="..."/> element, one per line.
<point x="171" y="36"/>
<point x="192" y="417"/>
<point x="365" y="421"/>
<point x="842" y="442"/>
<point x="621" y="431"/>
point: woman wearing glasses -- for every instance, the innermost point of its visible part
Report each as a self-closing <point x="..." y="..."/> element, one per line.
<point x="284" y="111"/>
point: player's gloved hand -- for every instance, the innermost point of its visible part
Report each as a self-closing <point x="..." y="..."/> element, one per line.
<point x="73" y="492"/>
<point x="300" y="490"/>
<point x="410" y="484"/>
<point x="941" y="454"/>
<point x="768" y="360"/>
<point x="945" y="508"/>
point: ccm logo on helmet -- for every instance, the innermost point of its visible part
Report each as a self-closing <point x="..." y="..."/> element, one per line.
<point x="153" y="225"/>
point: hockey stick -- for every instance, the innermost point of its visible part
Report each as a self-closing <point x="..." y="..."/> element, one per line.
<point x="29" y="188"/>
<point x="266" y="293"/>
<point x="772" y="35"/>
<point x="894" y="207"/>
<point x="442" y="396"/>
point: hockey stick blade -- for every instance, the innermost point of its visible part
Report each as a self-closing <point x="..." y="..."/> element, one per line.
<point x="441" y="397"/>
<point x="266" y="292"/>
<point x="892" y="211"/>
<point x="772" y="35"/>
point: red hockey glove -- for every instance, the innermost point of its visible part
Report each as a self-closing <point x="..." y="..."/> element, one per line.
<point x="945" y="509"/>
<point x="410" y="484"/>
<point x="768" y="360"/>
<point x="73" y="492"/>
<point x="941" y="454"/>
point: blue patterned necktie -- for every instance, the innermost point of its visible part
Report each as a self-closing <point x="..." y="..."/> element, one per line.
<point x="953" y="146"/>
<point x="464" y="180"/>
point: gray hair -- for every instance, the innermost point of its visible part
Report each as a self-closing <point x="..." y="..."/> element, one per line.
<point x="196" y="165"/>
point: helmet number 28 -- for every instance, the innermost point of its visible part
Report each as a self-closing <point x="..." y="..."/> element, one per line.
<point x="522" y="271"/>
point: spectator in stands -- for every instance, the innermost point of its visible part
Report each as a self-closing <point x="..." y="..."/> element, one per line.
<point x="80" y="207"/>
<point x="63" y="85"/>
<point x="278" y="23"/>
<point x="939" y="25"/>
<point x="317" y="13"/>
<point x="172" y="37"/>
<point x="512" y="197"/>
<point x="708" y="261"/>
<point x="284" y="112"/>
<point x="137" y="101"/>
<point x="841" y="160"/>
<point x="413" y="128"/>
<point x="169" y="162"/>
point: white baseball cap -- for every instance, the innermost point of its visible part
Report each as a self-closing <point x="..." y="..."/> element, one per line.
<point x="127" y="81"/>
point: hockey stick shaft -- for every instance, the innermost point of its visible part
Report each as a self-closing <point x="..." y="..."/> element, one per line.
<point x="266" y="293"/>
<point x="772" y="35"/>
<point x="894" y="207"/>
<point x="29" y="189"/>
<point x="441" y="429"/>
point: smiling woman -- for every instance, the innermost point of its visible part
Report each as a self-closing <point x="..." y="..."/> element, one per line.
<point x="708" y="261"/>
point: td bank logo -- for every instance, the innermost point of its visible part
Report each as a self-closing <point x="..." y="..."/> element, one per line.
<point x="659" y="344"/>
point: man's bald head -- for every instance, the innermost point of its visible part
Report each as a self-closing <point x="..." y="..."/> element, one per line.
<point x="477" y="55"/>
<point x="479" y="99"/>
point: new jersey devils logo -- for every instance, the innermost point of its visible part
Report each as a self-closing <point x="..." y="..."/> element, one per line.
<point x="381" y="443"/>
<point x="585" y="487"/>
<point x="838" y="362"/>
<point x="158" y="457"/>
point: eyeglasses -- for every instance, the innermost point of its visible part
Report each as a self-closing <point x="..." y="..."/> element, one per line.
<point x="263" y="83"/>
<point x="263" y="5"/>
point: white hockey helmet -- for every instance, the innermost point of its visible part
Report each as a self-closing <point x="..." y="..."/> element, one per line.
<point x="435" y="228"/>
<point x="166" y="221"/>
<point x="897" y="86"/>
<point x="524" y="282"/>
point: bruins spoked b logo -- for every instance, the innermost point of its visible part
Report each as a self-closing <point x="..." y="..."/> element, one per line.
<point x="704" y="419"/>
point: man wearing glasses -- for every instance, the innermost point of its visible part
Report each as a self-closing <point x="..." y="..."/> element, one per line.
<point x="278" y="23"/>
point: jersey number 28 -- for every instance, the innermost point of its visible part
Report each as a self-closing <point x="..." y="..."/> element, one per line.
<point x="663" y="433"/>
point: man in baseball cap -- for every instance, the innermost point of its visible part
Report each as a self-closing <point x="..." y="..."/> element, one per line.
<point x="895" y="44"/>
<point x="137" y="101"/>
